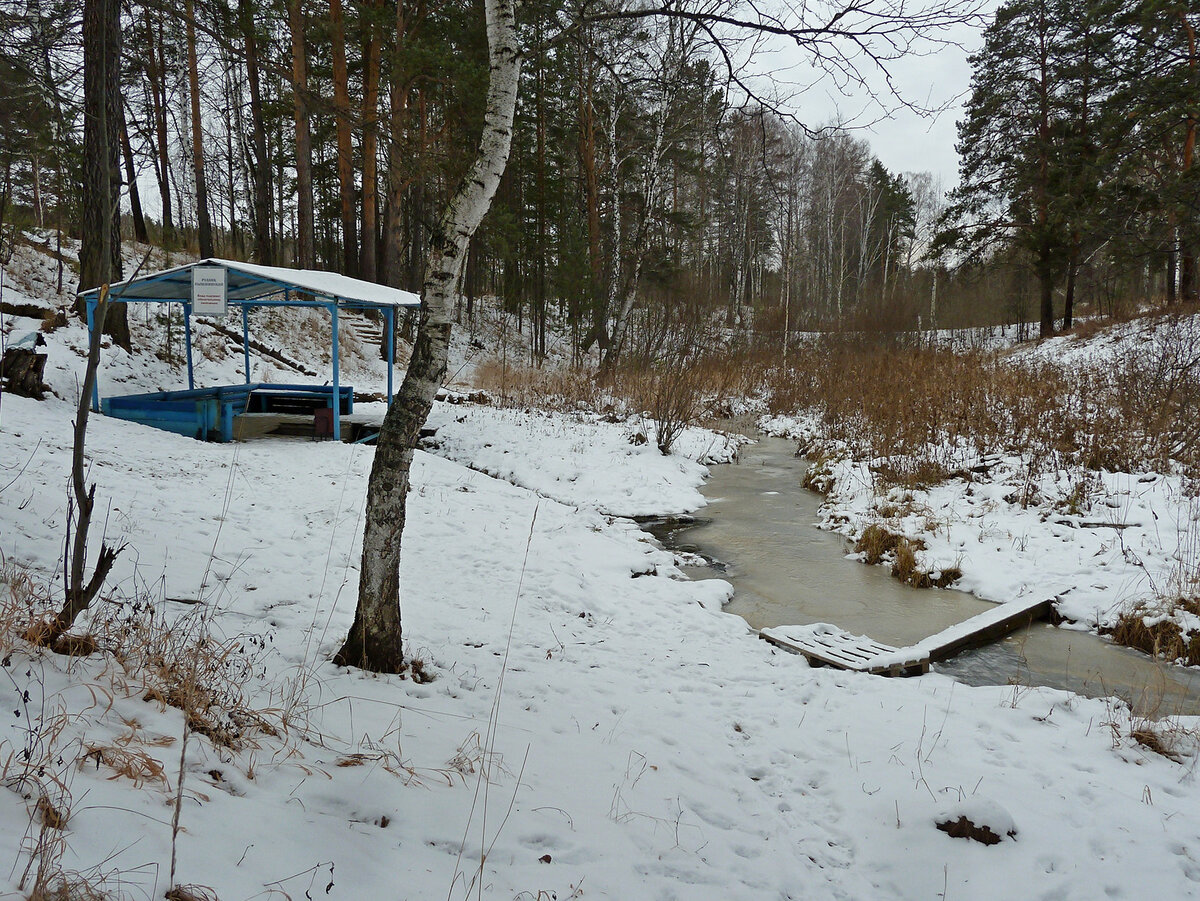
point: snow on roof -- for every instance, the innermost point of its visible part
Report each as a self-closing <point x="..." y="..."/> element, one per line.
<point x="250" y="282"/>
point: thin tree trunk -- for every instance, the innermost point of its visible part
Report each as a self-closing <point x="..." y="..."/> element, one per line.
<point x="260" y="168"/>
<point x="345" y="147"/>
<point x="1189" y="284"/>
<point x="135" y="198"/>
<point x="305" y="257"/>
<point x="203" y="220"/>
<point x="370" y="144"/>
<point x="158" y="98"/>
<point x="393" y="239"/>
<point x="99" y="256"/>
<point x="374" y="641"/>
<point x="1072" y="277"/>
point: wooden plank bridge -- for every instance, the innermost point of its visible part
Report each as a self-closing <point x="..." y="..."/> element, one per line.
<point x="826" y="645"/>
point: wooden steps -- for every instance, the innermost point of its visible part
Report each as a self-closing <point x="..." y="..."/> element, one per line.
<point x="827" y="645"/>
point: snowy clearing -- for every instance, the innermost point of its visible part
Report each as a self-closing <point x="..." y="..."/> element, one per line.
<point x="596" y="727"/>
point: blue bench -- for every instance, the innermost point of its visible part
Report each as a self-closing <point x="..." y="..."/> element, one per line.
<point x="207" y="413"/>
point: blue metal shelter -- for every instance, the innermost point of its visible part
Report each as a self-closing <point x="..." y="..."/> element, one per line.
<point x="250" y="285"/>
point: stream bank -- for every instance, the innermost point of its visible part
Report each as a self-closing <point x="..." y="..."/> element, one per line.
<point x="759" y="532"/>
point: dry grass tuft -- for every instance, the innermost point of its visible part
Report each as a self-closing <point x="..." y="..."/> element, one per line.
<point x="874" y="543"/>
<point x="24" y="602"/>
<point x="181" y="664"/>
<point x="191" y="893"/>
<point x="818" y="475"/>
<point x="52" y="817"/>
<point x="1151" y="740"/>
<point x="133" y="764"/>
<point x="70" y="887"/>
<point x="1157" y="635"/>
<point x="877" y="543"/>
<point x="904" y="566"/>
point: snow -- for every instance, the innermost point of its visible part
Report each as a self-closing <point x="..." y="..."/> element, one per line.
<point x="596" y="728"/>
<point x="157" y="285"/>
<point x="1098" y="542"/>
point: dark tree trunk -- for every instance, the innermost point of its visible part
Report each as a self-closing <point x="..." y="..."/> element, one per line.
<point x="1072" y="278"/>
<point x="1046" y="289"/>
<point x="305" y="254"/>
<point x="345" y="147"/>
<point x="135" y="198"/>
<point x="203" y="220"/>
<point x="158" y="103"/>
<point x="99" y="254"/>
<point x="261" y="164"/>
<point x="370" y="145"/>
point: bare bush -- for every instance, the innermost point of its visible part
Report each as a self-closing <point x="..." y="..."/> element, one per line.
<point x="925" y="413"/>
<point x="671" y="394"/>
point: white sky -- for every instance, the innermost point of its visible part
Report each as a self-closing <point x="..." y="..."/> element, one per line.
<point x="903" y="140"/>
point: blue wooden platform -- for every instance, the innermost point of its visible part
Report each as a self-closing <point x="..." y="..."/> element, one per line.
<point x="208" y="413"/>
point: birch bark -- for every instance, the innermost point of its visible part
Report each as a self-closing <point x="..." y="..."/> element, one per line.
<point x="374" y="642"/>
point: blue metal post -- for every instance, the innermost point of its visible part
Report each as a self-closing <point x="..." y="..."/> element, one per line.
<point x="389" y="316"/>
<point x="187" y="340"/>
<point x="91" y="317"/>
<point x="337" y="395"/>
<point x="246" y="340"/>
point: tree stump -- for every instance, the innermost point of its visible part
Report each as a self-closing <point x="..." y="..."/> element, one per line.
<point x="22" y="370"/>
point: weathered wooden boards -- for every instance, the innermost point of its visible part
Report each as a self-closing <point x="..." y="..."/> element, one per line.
<point x="827" y="645"/>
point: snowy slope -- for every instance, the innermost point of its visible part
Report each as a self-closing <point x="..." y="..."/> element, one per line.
<point x="596" y="727"/>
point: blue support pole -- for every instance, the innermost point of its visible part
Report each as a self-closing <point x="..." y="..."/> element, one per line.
<point x="187" y="340"/>
<point x="246" y="340"/>
<point x="337" y="395"/>
<point x="91" y="317"/>
<point x="389" y="316"/>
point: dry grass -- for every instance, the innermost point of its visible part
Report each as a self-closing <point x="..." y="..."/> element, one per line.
<point x="1157" y="633"/>
<point x="924" y="413"/>
<point x="182" y="665"/>
<point x="689" y="386"/>
<point x="550" y="387"/>
<point x="875" y="543"/>
<point x="24" y="603"/>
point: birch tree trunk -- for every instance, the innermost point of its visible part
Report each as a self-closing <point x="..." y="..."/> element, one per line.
<point x="374" y="642"/>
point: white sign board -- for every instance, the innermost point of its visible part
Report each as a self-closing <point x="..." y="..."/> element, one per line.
<point x="209" y="291"/>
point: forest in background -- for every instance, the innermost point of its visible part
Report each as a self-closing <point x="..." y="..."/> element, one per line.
<point x="651" y="190"/>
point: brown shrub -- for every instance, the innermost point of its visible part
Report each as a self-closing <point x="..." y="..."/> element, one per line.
<point x="904" y="565"/>
<point x="936" y="410"/>
<point x="874" y="543"/>
<point x="1163" y="638"/>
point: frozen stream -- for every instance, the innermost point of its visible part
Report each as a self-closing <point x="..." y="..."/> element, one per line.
<point x="759" y="527"/>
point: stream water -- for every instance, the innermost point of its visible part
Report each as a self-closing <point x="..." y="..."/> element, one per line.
<point x="759" y="531"/>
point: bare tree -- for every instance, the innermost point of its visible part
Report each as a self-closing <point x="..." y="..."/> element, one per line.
<point x="840" y="36"/>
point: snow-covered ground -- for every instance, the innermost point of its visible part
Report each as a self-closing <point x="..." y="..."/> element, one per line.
<point x="596" y="726"/>
<point x="1103" y="543"/>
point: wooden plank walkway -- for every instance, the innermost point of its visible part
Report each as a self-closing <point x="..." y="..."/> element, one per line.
<point x="827" y="645"/>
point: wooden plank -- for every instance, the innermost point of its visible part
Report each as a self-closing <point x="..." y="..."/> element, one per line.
<point x="829" y="646"/>
<point x="826" y="645"/>
<point x="989" y="626"/>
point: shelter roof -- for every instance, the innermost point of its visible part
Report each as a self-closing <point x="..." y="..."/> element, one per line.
<point x="249" y="282"/>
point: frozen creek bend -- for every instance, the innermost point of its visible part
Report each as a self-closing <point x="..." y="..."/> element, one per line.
<point x="759" y="528"/>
